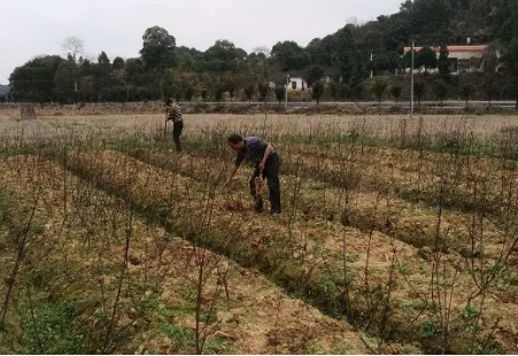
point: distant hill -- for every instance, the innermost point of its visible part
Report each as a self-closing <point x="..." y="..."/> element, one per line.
<point x="436" y="22"/>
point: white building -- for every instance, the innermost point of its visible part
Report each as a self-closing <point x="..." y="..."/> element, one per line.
<point x="296" y="85"/>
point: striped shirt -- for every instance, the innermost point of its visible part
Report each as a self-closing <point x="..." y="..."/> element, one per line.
<point x="174" y="113"/>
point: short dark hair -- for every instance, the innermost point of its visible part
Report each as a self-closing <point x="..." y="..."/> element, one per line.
<point x="234" y="138"/>
<point x="169" y="101"/>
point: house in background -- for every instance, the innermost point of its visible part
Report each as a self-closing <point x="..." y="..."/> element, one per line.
<point x="463" y="58"/>
<point x="296" y="85"/>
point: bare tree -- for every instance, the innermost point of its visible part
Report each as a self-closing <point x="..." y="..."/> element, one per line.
<point x="73" y="46"/>
<point x="262" y="50"/>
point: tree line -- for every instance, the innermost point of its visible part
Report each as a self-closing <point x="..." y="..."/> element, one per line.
<point x="347" y="57"/>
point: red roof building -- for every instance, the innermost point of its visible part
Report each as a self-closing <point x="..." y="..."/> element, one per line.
<point x="463" y="58"/>
<point x="458" y="52"/>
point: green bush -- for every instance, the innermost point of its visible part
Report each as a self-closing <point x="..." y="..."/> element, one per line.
<point x="54" y="330"/>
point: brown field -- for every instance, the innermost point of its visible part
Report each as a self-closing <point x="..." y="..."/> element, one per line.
<point x="397" y="236"/>
<point x="483" y="127"/>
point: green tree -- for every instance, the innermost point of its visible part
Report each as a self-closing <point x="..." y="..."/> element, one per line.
<point x="218" y="92"/>
<point x="419" y="91"/>
<point x="313" y="74"/>
<point x="430" y="17"/>
<point x="188" y="92"/>
<point x="118" y="73"/>
<point x="87" y="87"/>
<point x="440" y="89"/>
<point x="378" y="88"/>
<point x="426" y="58"/>
<point x="467" y="91"/>
<point x="158" y="52"/>
<point x="334" y="90"/>
<point x="103" y="60"/>
<point x="381" y="63"/>
<point x="280" y="93"/>
<point x="203" y="94"/>
<point x="64" y="82"/>
<point x="158" y="48"/>
<point x="511" y="52"/>
<point x="34" y="81"/>
<point x="318" y="91"/>
<point x="263" y="90"/>
<point x="357" y="90"/>
<point x="395" y="91"/>
<point x="173" y="90"/>
<point x="230" y="87"/>
<point x="339" y="91"/>
<point x="189" y="59"/>
<point x="320" y="50"/>
<point x="135" y="72"/>
<point x="348" y="58"/>
<point x="444" y="62"/>
<point x="490" y="87"/>
<point x="289" y="55"/>
<point x="250" y="91"/>
<point x="118" y="63"/>
<point x="395" y="62"/>
<point x="345" y="91"/>
<point x="102" y="72"/>
<point x="511" y="61"/>
<point x="223" y="56"/>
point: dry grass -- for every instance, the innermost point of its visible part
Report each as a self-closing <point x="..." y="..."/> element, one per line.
<point x="414" y="243"/>
<point x="244" y="322"/>
<point x="483" y="127"/>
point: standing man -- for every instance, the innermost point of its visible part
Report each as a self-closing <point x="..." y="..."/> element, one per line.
<point x="174" y="114"/>
<point x="266" y="161"/>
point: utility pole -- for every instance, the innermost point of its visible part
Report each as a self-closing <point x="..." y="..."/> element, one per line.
<point x="286" y="91"/>
<point x="412" y="70"/>
<point x="412" y="81"/>
<point x="372" y="57"/>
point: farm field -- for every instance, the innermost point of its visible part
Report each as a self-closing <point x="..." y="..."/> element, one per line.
<point x="484" y="127"/>
<point x="397" y="236"/>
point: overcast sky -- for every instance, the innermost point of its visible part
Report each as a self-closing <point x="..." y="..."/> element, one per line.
<point x="33" y="27"/>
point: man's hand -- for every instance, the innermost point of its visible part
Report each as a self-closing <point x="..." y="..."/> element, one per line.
<point x="261" y="166"/>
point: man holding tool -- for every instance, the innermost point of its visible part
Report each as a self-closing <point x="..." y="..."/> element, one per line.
<point x="266" y="161"/>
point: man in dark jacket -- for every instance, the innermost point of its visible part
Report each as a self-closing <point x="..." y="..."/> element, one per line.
<point x="266" y="161"/>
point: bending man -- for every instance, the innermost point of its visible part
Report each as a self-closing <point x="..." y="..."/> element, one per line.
<point x="266" y="161"/>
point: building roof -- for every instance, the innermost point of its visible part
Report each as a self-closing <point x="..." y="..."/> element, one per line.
<point x="455" y="49"/>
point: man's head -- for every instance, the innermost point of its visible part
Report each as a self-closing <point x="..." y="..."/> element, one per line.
<point x="236" y="142"/>
<point x="169" y="102"/>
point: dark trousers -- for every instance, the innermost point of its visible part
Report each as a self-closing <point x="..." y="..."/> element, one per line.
<point x="177" y="132"/>
<point x="271" y="173"/>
